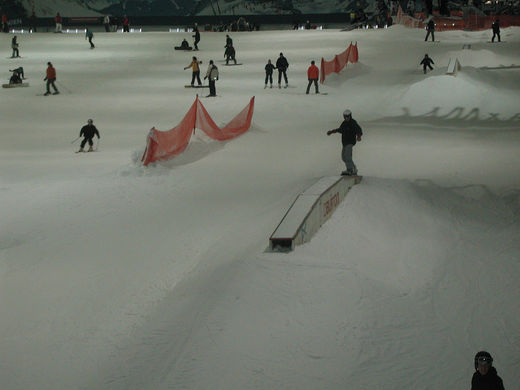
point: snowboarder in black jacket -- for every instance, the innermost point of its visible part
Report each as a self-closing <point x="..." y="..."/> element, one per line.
<point x="427" y="62"/>
<point x="230" y="54"/>
<point x="88" y="132"/>
<point x="282" y="64"/>
<point x="496" y="30"/>
<point x="197" y="38"/>
<point x="350" y="133"/>
<point x="269" y="68"/>
<point x="430" y="28"/>
<point x="485" y="376"/>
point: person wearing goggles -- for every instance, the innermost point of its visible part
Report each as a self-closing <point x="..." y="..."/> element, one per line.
<point x="485" y="376"/>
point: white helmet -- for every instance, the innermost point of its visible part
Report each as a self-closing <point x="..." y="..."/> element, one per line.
<point x="347" y="112"/>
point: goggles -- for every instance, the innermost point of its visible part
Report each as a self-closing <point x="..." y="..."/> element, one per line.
<point x="484" y="360"/>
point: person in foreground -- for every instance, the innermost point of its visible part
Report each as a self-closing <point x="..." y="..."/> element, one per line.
<point x="485" y="376"/>
<point x="88" y="132"/>
<point x="350" y="133"/>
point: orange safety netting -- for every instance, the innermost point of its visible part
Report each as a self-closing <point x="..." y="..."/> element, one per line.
<point x="339" y="62"/>
<point x="161" y="145"/>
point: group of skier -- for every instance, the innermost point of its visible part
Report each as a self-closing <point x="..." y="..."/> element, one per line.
<point x="211" y="74"/>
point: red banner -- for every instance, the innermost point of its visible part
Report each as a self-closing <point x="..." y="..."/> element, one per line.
<point x="339" y="62"/>
<point x="161" y="145"/>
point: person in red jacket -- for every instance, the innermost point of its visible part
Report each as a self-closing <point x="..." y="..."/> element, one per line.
<point x="126" y="24"/>
<point x="50" y="78"/>
<point x="5" y="26"/>
<point x="58" y="21"/>
<point x="313" y="74"/>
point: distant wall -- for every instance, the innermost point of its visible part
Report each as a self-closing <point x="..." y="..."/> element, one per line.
<point x="75" y="22"/>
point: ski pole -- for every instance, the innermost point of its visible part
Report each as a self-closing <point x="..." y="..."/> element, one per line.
<point x="97" y="144"/>
<point x="75" y="140"/>
<point x="62" y="86"/>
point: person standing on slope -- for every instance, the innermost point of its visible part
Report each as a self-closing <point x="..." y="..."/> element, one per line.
<point x="14" y="46"/>
<point x="50" y="78"/>
<point x="195" y="70"/>
<point x="282" y="65"/>
<point x="350" y="133"/>
<point x="88" y="132"/>
<point x="212" y="75"/>
<point x="269" y="68"/>
<point x="313" y="74"/>
<point x="89" y="34"/>
<point x="197" y="37"/>
<point x="496" y="30"/>
<point x="430" y="28"/>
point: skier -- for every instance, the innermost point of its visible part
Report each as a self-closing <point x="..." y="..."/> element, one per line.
<point x="14" y="46"/>
<point x="485" y="376"/>
<point x="58" y="21"/>
<point x="15" y="78"/>
<point x="88" y="132"/>
<point x="427" y="62"/>
<point x="230" y="54"/>
<point x="196" y="70"/>
<point x="212" y="75"/>
<point x="89" y="34"/>
<point x="106" y="22"/>
<point x="126" y="24"/>
<point x="313" y="74"/>
<point x="18" y="70"/>
<point x="430" y="28"/>
<point x="269" y="68"/>
<point x="197" y="37"/>
<point x="50" y="78"/>
<point x="350" y="133"/>
<point x="496" y="30"/>
<point x="282" y="64"/>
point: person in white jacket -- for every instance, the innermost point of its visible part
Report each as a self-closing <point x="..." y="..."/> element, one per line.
<point x="106" y="22"/>
<point x="212" y="75"/>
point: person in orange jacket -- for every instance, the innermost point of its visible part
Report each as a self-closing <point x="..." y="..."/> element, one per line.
<point x="313" y="74"/>
<point x="50" y="78"/>
<point x="196" y="70"/>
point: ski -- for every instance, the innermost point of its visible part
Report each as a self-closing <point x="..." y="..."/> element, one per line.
<point x="196" y="86"/>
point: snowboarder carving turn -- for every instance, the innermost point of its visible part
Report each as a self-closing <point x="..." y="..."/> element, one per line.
<point x="350" y="133"/>
<point x="88" y="132"/>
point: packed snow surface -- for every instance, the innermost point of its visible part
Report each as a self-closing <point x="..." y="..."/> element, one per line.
<point x="119" y="276"/>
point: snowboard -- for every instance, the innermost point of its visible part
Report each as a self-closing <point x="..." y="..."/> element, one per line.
<point x="15" y="85"/>
<point x="196" y="86"/>
<point x="182" y="48"/>
<point x="233" y="64"/>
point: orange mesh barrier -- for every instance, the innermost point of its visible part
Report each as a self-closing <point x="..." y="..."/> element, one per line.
<point x="161" y="145"/>
<point x="339" y="62"/>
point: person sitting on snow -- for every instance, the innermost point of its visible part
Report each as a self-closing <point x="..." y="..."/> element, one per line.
<point x="15" y="79"/>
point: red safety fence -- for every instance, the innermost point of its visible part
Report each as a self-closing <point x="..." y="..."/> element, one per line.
<point x="455" y="22"/>
<point x="161" y="145"/>
<point x="339" y="62"/>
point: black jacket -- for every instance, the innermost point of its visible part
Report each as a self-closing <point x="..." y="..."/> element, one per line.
<point x="490" y="381"/>
<point x="269" y="68"/>
<point x="281" y="63"/>
<point x="427" y="61"/>
<point x="496" y="27"/>
<point x="431" y="25"/>
<point x="197" y="35"/>
<point x="349" y="131"/>
<point x="89" y="131"/>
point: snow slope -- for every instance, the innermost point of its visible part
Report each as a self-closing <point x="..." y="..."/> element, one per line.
<point x="117" y="276"/>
